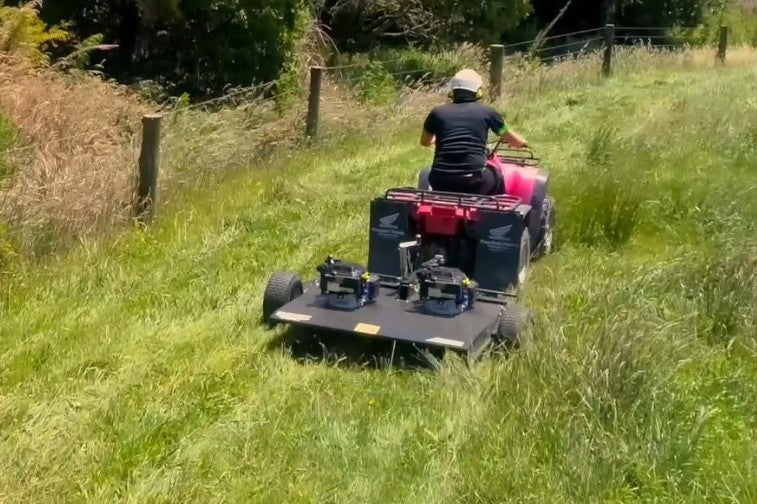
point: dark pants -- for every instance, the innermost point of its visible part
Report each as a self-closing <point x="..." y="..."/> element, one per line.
<point x="485" y="182"/>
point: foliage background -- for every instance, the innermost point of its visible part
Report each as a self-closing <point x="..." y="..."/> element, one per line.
<point x="205" y="47"/>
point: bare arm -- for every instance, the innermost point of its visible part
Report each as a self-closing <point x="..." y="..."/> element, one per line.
<point x="506" y="134"/>
<point x="427" y="139"/>
<point x="511" y="137"/>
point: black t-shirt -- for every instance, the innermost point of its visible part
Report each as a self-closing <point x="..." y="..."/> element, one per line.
<point x="461" y="131"/>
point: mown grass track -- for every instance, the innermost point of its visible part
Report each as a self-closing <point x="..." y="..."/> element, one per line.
<point x="137" y="369"/>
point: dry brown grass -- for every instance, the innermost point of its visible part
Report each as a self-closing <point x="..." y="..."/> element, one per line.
<point x="201" y="147"/>
<point x="82" y="134"/>
<point x="75" y="174"/>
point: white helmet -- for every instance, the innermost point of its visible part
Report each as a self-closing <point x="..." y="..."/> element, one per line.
<point x="467" y="79"/>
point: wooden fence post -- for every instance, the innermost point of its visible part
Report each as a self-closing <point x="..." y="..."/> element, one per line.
<point x="149" y="167"/>
<point x="314" y="101"/>
<point x="496" y="67"/>
<point x="723" y="43"/>
<point x="609" y="48"/>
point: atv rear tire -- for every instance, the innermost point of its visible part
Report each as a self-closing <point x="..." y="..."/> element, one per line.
<point x="282" y="288"/>
<point x="525" y="259"/>
<point x="513" y="320"/>
<point x="423" y="180"/>
<point x="546" y="236"/>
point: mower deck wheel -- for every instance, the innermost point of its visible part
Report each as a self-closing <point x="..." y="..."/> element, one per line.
<point x="513" y="320"/>
<point x="282" y="288"/>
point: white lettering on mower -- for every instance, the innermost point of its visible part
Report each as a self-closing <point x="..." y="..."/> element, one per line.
<point x="498" y="241"/>
<point x="293" y="317"/>
<point x="500" y="233"/>
<point x="446" y="342"/>
<point x="388" y="228"/>
<point x="389" y="220"/>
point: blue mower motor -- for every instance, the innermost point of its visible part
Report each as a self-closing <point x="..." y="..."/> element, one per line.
<point x="347" y="286"/>
<point x="446" y="291"/>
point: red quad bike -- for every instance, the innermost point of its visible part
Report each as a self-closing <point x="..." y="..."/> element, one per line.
<point x="443" y="268"/>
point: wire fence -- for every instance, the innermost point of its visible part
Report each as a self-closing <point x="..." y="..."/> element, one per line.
<point x="263" y="123"/>
<point x="552" y="37"/>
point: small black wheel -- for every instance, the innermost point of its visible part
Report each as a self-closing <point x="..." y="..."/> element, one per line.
<point x="282" y="288"/>
<point x="423" y="180"/>
<point x="546" y="236"/>
<point x="513" y="320"/>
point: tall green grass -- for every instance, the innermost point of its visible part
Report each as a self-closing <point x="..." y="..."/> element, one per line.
<point x="137" y="369"/>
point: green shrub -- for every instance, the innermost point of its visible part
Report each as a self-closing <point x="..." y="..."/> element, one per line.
<point x="378" y="76"/>
<point x="411" y="65"/>
<point x="202" y="47"/>
<point x="742" y="28"/>
<point x="24" y="33"/>
<point x="376" y="85"/>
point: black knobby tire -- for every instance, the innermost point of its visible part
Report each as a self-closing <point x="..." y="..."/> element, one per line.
<point x="546" y="237"/>
<point x="282" y="288"/>
<point x="513" y="320"/>
<point x="525" y="259"/>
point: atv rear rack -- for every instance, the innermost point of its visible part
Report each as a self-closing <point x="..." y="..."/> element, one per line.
<point x="511" y="155"/>
<point x="460" y="200"/>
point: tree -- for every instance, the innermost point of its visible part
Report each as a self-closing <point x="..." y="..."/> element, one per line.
<point x="200" y="46"/>
<point x="592" y="13"/>
<point x="362" y="24"/>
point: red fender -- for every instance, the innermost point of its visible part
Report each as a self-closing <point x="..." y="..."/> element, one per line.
<point x="520" y="180"/>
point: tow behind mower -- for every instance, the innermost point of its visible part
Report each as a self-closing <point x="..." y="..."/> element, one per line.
<point x="443" y="268"/>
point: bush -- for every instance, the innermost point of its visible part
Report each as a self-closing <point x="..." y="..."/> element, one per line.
<point x="24" y="33"/>
<point x="742" y="28"/>
<point x="379" y="75"/>
<point x="366" y="24"/>
<point x="196" y="46"/>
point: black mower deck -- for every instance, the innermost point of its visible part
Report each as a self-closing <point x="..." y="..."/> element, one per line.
<point x="392" y="319"/>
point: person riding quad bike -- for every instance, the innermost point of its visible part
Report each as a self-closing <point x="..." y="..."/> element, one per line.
<point x="459" y="131"/>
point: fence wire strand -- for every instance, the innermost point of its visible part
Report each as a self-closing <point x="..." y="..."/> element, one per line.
<point x="361" y="64"/>
<point x="548" y="59"/>
<point x="572" y="44"/>
<point x="57" y="141"/>
<point x="250" y="89"/>
<point x="653" y="28"/>
<point x="422" y="77"/>
<point x="420" y="72"/>
<point x="651" y="37"/>
<point x="551" y="37"/>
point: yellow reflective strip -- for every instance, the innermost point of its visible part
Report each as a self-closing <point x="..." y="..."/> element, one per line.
<point x="367" y="329"/>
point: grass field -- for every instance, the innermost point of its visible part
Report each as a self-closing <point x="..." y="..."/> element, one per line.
<point x="136" y="369"/>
